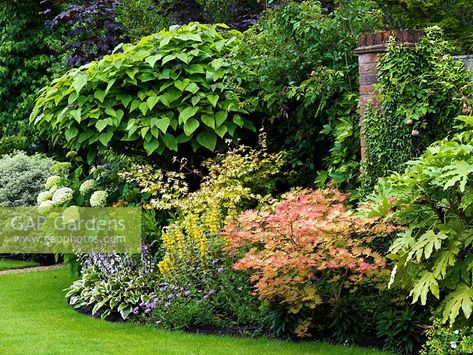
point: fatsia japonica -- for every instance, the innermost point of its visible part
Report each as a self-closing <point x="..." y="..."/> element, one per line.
<point x="433" y="199"/>
<point x="174" y="88"/>
<point x="310" y="241"/>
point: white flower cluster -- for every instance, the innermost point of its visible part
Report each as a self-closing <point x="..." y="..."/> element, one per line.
<point x="44" y="196"/>
<point x="53" y="181"/>
<point x="87" y="186"/>
<point x="62" y="196"/>
<point x="46" y="204"/>
<point x="61" y="168"/>
<point x="99" y="199"/>
<point x="56" y="195"/>
<point x="71" y="214"/>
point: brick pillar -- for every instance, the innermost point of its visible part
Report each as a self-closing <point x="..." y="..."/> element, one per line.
<point x="370" y="45"/>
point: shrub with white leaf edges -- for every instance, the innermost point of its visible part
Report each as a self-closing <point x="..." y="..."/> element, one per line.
<point x="22" y="177"/>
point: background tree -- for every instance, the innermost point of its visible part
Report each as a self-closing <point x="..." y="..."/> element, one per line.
<point x="454" y="16"/>
<point x="29" y="57"/>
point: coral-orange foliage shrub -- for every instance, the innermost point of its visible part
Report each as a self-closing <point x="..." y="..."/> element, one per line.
<point x="310" y="239"/>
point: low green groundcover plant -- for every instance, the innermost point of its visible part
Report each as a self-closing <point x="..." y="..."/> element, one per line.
<point x="173" y="88"/>
<point x="448" y="340"/>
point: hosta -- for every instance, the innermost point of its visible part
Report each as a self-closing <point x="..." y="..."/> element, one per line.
<point x="172" y="88"/>
<point x="434" y="200"/>
<point x="112" y="284"/>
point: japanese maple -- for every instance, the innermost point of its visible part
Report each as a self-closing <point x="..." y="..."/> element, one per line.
<point x="309" y="240"/>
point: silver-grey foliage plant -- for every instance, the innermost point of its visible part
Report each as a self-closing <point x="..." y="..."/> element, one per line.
<point x="22" y="177"/>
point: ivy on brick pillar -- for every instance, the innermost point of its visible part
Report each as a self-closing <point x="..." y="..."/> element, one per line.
<point x="370" y="46"/>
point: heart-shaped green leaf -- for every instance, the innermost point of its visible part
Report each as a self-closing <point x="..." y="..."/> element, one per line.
<point x="187" y="113"/>
<point x="207" y="139"/>
<point x="151" y="145"/>
<point x="190" y="126"/>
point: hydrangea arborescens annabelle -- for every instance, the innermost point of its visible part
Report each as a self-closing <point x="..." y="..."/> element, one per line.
<point x="99" y="199"/>
<point x="87" y="186"/>
<point x="62" y="196"/>
<point x="71" y="214"/>
<point x="53" y="181"/>
<point x="46" y="204"/>
<point x="61" y="168"/>
<point x="44" y="196"/>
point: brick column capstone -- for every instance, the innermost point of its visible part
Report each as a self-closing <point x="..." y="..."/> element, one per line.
<point x="370" y="46"/>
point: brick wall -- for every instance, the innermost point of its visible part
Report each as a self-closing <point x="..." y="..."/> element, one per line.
<point x="370" y="45"/>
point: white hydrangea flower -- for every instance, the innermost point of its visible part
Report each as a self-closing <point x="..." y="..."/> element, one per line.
<point x="453" y="344"/>
<point x="53" y="181"/>
<point x="62" y="196"/>
<point x="99" y="199"/>
<point x="71" y="214"/>
<point x="44" y="196"/>
<point x="87" y="186"/>
<point x="46" y="204"/>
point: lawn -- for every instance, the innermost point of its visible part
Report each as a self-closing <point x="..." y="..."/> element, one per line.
<point x="35" y="319"/>
<point x="7" y="264"/>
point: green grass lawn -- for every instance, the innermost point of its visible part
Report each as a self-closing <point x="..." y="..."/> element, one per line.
<point x="7" y="264"/>
<point x="35" y="319"/>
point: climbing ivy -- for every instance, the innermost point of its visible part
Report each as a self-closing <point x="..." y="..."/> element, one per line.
<point x="421" y="91"/>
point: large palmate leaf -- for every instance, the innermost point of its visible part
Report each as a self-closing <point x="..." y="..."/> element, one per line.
<point x="426" y="283"/>
<point x="457" y="172"/>
<point x="427" y="243"/>
<point x="433" y="199"/>
<point x="460" y="299"/>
